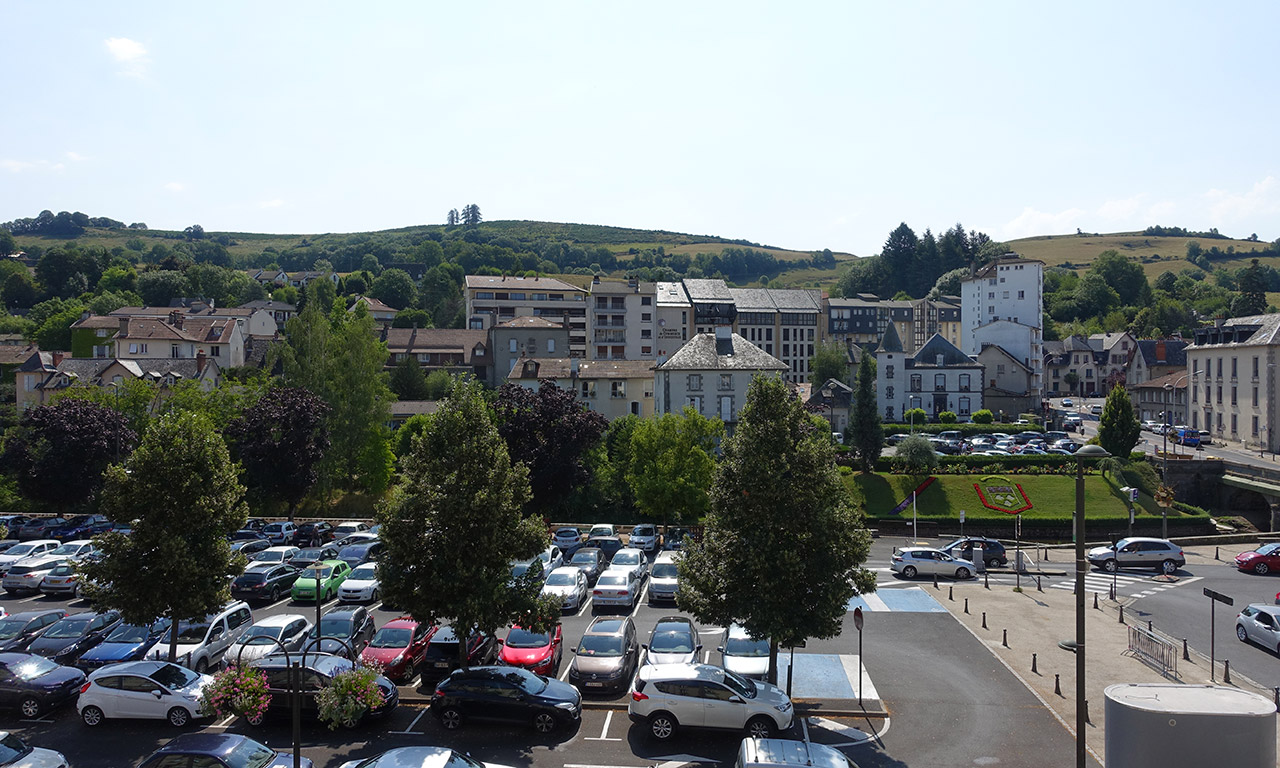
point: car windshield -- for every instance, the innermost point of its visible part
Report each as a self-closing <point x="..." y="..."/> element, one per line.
<point x="642" y="530"/>
<point x="174" y="676"/>
<point x="568" y="533"/>
<point x="519" y="569"/>
<point x="308" y="554"/>
<point x="740" y="685"/>
<point x="745" y="646"/>
<point x="311" y="573"/>
<point x="189" y="632"/>
<point x="626" y="558"/>
<point x="66" y="629"/>
<point x="128" y="633"/>
<point x="261" y="635"/>
<point x="671" y="642"/>
<point x="11" y="628"/>
<point x="250" y="754"/>
<point x="1269" y="549"/>
<point x="391" y="637"/>
<point x="66" y="549"/>
<point x="11" y="748"/>
<point x="62" y="570"/>
<point x="519" y="637"/>
<point x="664" y="571"/>
<point x="267" y="556"/>
<point x="33" y="667"/>
<point x="613" y="580"/>
<point x="21" y="549"/>
<point x="584" y="558"/>
<point x="333" y="627"/>
<point x="600" y="645"/>
<point x="559" y="579"/>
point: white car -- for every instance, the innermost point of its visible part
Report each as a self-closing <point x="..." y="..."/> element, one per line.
<point x="289" y="628"/>
<point x="343" y="530"/>
<point x="359" y="537"/>
<point x="74" y="550"/>
<point x="419" y="757"/>
<point x="552" y="558"/>
<point x="602" y="529"/>
<point x="644" y="537"/>
<point x="616" y="588"/>
<point x="569" y="584"/>
<point x="203" y="643"/>
<point x="27" y="756"/>
<point x="928" y="561"/>
<point x="26" y="575"/>
<point x="276" y="555"/>
<point x="568" y="539"/>
<point x="707" y="697"/>
<point x="630" y="559"/>
<point x="361" y="585"/>
<point x="26" y="549"/>
<point x="144" y="689"/>
<point x="744" y="656"/>
<point x="788" y="753"/>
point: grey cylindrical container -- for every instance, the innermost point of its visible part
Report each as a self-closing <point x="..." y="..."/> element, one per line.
<point x="1165" y="725"/>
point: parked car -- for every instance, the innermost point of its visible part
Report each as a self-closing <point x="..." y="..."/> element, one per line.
<point x="319" y="670"/>
<point x="1096" y="410"/>
<point x="24" y="550"/>
<point x="602" y="529"/>
<point x="570" y="585"/>
<point x="538" y="652"/>
<point x="313" y="534"/>
<point x="155" y="690"/>
<point x="1205" y="437"/>
<point x="267" y="636"/>
<point x="81" y="527"/>
<point x="33" y="684"/>
<point x="1262" y="560"/>
<point x="351" y="539"/>
<point x="1138" y="552"/>
<point x="531" y="569"/>
<point x="127" y="642"/>
<point x="254" y="524"/>
<point x="1067" y="402"/>
<point x="707" y="697"/>
<point x="630" y="559"/>
<point x="74" y="550"/>
<point x="1260" y="623"/>
<point x="616" y="588"/>
<point x="674" y="640"/>
<point x="322" y="579"/>
<point x="568" y="539"/>
<point x="265" y="583"/>
<point x="70" y="636"/>
<point x="927" y="561"/>
<point x="203" y="643"/>
<point x="607" y="655"/>
<point x="664" y="579"/>
<point x="312" y="555"/>
<point x="62" y="580"/>
<point x="282" y="554"/>
<point x="250" y="547"/>
<point x="343" y="530"/>
<point x="506" y="693"/>
<point x="419" y="757"/>
<point x="400" y="648"/>
<point x="361" y="585"/>
<point x="16" y="753"/>
<point x="552" y="558"/>
<point x="442" y="651"/>
<point x="674" y="538"/>
<point x="788" y="753"/>
<point x="1070" y="446"/>
<point x="993" y="552"/>
<point x="361" y="552"/>
<point x="644" y="537"/>
<point x="1187" y="437"/>
<point x="219" y="750"/>
<point x="742" y="655"/>
<point x="591" y="562"/>
<point x="609" y="545"/>
<point x="352" y="626"/>
<point x="17" y="630"/>
<point x="40" y="528"/>
<point x="248" y="534"/>
<point x="280" y="532"/>
<point x="27" y="575"/>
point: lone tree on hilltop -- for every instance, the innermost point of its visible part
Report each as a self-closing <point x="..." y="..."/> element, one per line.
<point x="452" y="219"/>
<point x="471" y="215"/>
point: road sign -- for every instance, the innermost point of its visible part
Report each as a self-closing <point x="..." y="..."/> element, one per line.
<point x="857" y="618"/>
<point x="1221" y="598"/>
<point x="962" y="515"/>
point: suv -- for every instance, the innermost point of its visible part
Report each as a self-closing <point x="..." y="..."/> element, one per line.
<point x="280" y="532"/>
<point x="203" y="642"/>
<point x="606" y="656"/>
<point x="664" y="580"/>
<point x="644" y="537"/>
<point x="1138" y="552"/>
<point x="784" y="753"/>
<point x="993" y="552"/>
<point x="665" y="696"/>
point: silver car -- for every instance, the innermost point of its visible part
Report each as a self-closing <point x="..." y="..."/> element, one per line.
<point x="674" y="640"/>
<point x="618" y="588"/>
<point x="631" y="559"/>
<point x="928" y="561"/>
<point x="569" y="584"/>
<point x="744" y="656"/>
<point x="607" y="655"/>
<point x="26" y="575"/>
<point x="644" y="537"/>
<point x="1261" y="624"/>
<point x="290" y="629"/>
<point x="13" y="749"/>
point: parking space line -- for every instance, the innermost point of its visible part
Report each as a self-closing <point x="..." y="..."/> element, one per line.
<point x="604" y="730"/>
<point x="410" y="730"/>
<point x="643" y="594"/>
<point x="565" y="674"/>
<point x="585" y="604"/>
<point x="36" y="596"/>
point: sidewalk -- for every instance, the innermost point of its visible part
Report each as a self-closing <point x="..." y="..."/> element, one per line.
<point x="1036" y="621"/>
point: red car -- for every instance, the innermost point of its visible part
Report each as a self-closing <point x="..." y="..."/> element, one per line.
<point x="536" y="652"/>
<point x="1262" y="560"/>
<point x="399" y="648"/>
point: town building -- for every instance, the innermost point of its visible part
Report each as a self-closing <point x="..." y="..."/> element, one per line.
<point x="623" y="319"/>
<point x="612" y="388"/>
<point x="1162" y="399"/>
<point x="1072" y="366"/>
<point x="452" y="350"/>
<point x="863" y="319"/>
<point x="1003" y="303"/>
<point x="785" y="323"/>
<point x="279" y="311"/>
<point x="493" y="299"/>
<point x="674" y="314"/>
<point x="713" y="304"/>
<point x="1233" y="379"/>
<point x="527" y="336"/>
<point x="1154" y="359"/>
<point x="48" y="374"/>
<point x="940" y="316"/>
<point x="711" y="374"/>
<point x="832" y="400"/>
<point x="1006" y="383"/>
<point x="1116" y="348"/>
<point x="938" y="377"/>
<point x="379" y="311"/>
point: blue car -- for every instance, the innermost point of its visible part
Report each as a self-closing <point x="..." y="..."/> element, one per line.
<point x="33" y="684"/>
<point x="127" y="642"/>
<point x="227" y="750"/>
<point x="80" y="527"/>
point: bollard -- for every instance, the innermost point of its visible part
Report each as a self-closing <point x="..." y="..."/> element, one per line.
<point x="1057" y="686"/>
<point x="1038" y="587"/>
<point x="935" y="581"/>
<point x="1215" y="553"/>
<point x="1095" y="601"/>
<point x="1046" y="554"/>
<point x="1034" y="671"/>
<point x="984" y="619"/>
<point x="1086" y="712"/>
<point x="1277" y="698"/>
<point x="966" y="605"/>
<point x="986" y="580"/>
<point x="1185" y="655"/>
<point x="951" y="594"/>
<point x="1004" y="638"/>
<point x="1121" y="614"/>
<point x="1150" y="628"/>
<point x="1226" y="671"/>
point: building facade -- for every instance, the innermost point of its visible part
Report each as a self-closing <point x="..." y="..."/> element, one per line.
<point x="938" y="377"/>
<point x="523" y="338"/>
<point x="862" y="320"/>
<point x="674" y="315"/>
<point x="613" y="388"/>
<point x="1006" y="383"/>
<point x="452" y="350"/>
<point x="1233" y="379"/>
<point x="1154" y="359"/>
<point x="1003" y="303"/>
<point x="711" y="374"/>
<point x="623" y="320"/>
<point x="493" y="299"/>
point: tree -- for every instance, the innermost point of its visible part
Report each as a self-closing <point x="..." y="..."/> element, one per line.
<point x="452" y="218"/>
<point x="1071" y="379"/>
<point x="915" y="416"/>
<point x="983" y="416"/>
<point x="19" y="291"/>
<point x="412" y="318"/>
<point x="865" y="435"/>
<point x="407" y="380"/>
<point x="181" y="492"/>
<point x="1253" y="292"/>
<point x="280" y="440"/>
<point x="671" y="465"/>
<point x="1118" y="427"/>
<point x="194" y="232"/>
<point x="777" y="491"/>
<point x="59" y="452"/>
<point x="471" y="215"/>
<point x="1125" y="276"/>
<point x="439" y="385"/>
<point x="395" y="288"/>
<point x="55" y="332"/>
<point x="7" y="244"/>
<point x="551" y="433"/>
<point x="830" y="361"/>
<point x="948" y="284"/>
<point x="615" y="463"/>
<point x="947" y="417"/>
<point x="461" y="501"/>
<point x="159" y="287"/>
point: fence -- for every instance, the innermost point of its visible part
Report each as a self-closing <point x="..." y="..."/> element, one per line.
<point x="1158" y="652"/>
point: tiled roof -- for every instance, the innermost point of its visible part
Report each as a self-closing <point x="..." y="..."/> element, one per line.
<point x="1267" y="332"/>
<point x="1175" y="352"/>
<point x="890" y="342"/>
<point x="413" y="341"/>
<point x="832" y="392"/>
<point x="407" y="408"/>
<point x="530" y="321"/>
<point x="278" y="306"/>
<point x="704" y="352"/>
<point x="989" y="268"/>
<point x="12" y="354"/>
<point x="752" y="300"/>
<point x="98" y="321"/>
<point x="1177" y="379"/>
<point x="1008" y="355"/>
<point x="562" y="368"/>
<point x="519" y="283"/>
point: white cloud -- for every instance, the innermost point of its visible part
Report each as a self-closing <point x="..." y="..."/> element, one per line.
<point x="276" y="203"/>
<point x="175" y="186"/>
<point x="1032" y="222"/>
<point x="130" y="53"/>
<point x="1126" y="208"/>
<point x="75" y="156"/>
<point x="17" y="166"/>
<point x="1263" y="200"/>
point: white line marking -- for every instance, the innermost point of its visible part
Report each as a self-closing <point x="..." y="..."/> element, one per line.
<point x="33" y="597"/>
<point x="604" y="729"/>
<point x="411" y="725"/>
<point x="586" y="602"/>
<point x="225" y="721"/>
<point x="874" y="602"/>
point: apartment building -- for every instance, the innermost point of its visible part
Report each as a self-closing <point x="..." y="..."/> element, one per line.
<point x="623" y="320"/>
<point x="1003" y="303"/>
<point x="785" y="323"/>
<point x="613" y="388"/>
<point x="493" y="299"/>
<point x="711" y="374"/>
<point x="863" y="319"/>
<point x="526" y="337"/>
<point x="674" y="315"/>
<point x="1233" y="379"/>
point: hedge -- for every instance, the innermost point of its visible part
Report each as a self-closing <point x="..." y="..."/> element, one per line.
<point x="963" y="429"/>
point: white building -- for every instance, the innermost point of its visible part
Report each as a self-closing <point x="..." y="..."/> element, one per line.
<point x="623" y="320"/>
<point x="938" y="377"/>
<point x="1003" y="303"/>
<point x="1232" y="368"/>
<point x="711" y="373"/>
<point x="674" y="312"/>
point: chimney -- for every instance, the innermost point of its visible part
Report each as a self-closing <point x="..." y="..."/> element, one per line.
<point x="57" y="359"/>
<point x="124" y="326"/>
<point x="175" y="319"/>
<point x="1160" y="351"/>
<point x="200" y="361"/>
<point x="573" y="367"/>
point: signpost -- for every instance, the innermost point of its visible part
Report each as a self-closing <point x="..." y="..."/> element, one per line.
<point x="857" y="622"/>
<point x="962" y="523"/>
<point x="1214" y="599"/>
<point x="1017" y="552"/>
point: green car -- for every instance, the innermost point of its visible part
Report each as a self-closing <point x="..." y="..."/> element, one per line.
<point x="329" y="573"/>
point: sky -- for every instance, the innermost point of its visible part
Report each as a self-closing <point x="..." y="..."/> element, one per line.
<point x="799" y="125"/>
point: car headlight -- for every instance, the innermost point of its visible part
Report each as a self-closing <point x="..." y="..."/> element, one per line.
<point x="783" y="707"/>
<point x="569" y="705"/>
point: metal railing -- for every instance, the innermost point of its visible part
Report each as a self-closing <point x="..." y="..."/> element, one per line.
<point x="1154" y="650"/>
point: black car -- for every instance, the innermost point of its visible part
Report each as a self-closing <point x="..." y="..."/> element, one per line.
<point x="318" y="673"/>
<point x="993" y="551"/>
<point x="34" y="684"/>
<point x="313" y="534"/>
<point x="264" y="583"/>
<point x="218" y="750"/>
<point x="591" y="562"/>
<point x="313" y="555"/>
<point x="506" y="693"/>
<point x="249" y="547"/>
<point x="442" y="652"/>
<point x="40" y="528"/>
<point x="254" y="524"/>
<point x="17" y="630"/>
<point x="609" y="545"/>
<point x="364" y="552"/>
<point x="72" y="635"/>
<point x="353" y="626"/>
<point x="81" y="527"/>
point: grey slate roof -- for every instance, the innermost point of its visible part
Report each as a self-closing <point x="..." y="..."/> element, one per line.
<point x="833" y="393"/>
<point x="707" y="290"/>
<point x="703" y="353"/>
<point x="890" y="342"/>
<point x="1175" y="352"/>
<point x="1236" y="332"/>
<point x="952" y="357"/>
<point x="752" y="300"/>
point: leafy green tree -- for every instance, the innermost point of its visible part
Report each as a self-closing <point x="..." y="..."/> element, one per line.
<point x="55" y="333"/>
<point x="19" y="291"/>
<point x="471" y="215"/>
<point x="439" y="384"/>
<point x="411" y="428"/>
<point x="412" y="318"/>
<point x="615" y="463"/>
<point x="395" y="288"/>
<point x="947" y="417"/>
<point x="66" y="272"/>
<point x="58" y="452"/>
<point x="181" y="491"/>
<point x="1118" y="427"/>
<point x="1253" y="292"/>
<point x="109" y="301"/>
<point x="1166" y="281"/>
<point x="865" y="435"/>
<point x="983" y="416"/>
<point x="451" y="219"/>
<point x="159" y="287"/>
<point x="777" y="491"/>
<point x="915" y="416"/>
<point x="1071" y="379"/>
<point x="916" y="457"/>
<point x="280" y="440"/>
<point x="118" y="279"/>
<point x="948" y="284"/>
<point x="462" y="500"/>
<point x="407" y="380"/>
<point x="1125" y="276"/>
<point x="7" y="244"/>
<point x="830" y="361"/>
<point x="672" y="466"/>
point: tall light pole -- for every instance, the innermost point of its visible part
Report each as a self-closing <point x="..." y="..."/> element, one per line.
<point x="1085" y="452"/>
<point x="1169" y="387"/>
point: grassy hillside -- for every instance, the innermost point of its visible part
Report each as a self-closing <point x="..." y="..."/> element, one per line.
<point x="1157" y="254"/>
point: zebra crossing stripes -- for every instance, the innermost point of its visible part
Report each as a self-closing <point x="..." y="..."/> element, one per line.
<point x="1128" y="586"/>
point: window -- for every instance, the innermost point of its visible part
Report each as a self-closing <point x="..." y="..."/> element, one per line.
<point x="514" y="346"/>
<point x="694" y="382"/>
<point x="999" y="369"/>
<point x="215" y="351"/>
<point x="1233" y="423"/>
<point x="726" y="408"/>
<point x="646" y="317"/>
<point x="586" y="389"/>
<point x="551" y="346"/>
<point x="939" y="382"/>
<point x="1005" y="295"/>
<point x="1255" y="426"/>
<point x="173" y="350"/>
<point x="1255" y="397"/>
<point x="964" y="382"/>
<point x="888" y="413"/>
<point x="991" y="310"/>
<point x="991" y="294"/>
<point x="888" y="371"/>
<point x="1219" y="394"/>
<point x="484" y="294"/>
<point x="964" y="407"/>
<point x="695" y="402"/>
<point x="1022" y="294"/>
<point x="1233" y="397"/>
<point x="618" y="389"/>
<point x="646" y="350"/>
<point x="1219" y="367"/>
<point x="646" y="301"/>
<point x="1233" y="367"/>
<point x="1255" y="367"/>
<point x="646" y="333"/>
<point x="888" y="392"/>
<point x="915" y="382"/>
<point x="1088" y="373"/>
<point x="726" y="381"/>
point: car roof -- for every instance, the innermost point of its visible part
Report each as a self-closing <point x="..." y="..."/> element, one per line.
<point x="332" y="563"/>
<point x="569" y="569"/>
<point x="788" y="752"/>
<point x="1145" y="538"/>
<point x="29" y="615"/>
<point x="415" y="757"/>
<point x="327" y="663"/>
<point x="629" y="551"/>
<point x="404" y="622"/>
<point x="341" y="611"/>
<point x="1274" y="610"/>
<point x="673" y="623"/>
<point x="918" y="549"/>
<point x="129" y="668"/>
<point x="607" y="626"/>
<point x="279" y="620"/>
<point x="204" y="743"/>
<point x="665" y="557"/>
<point x="280" y="548"/>
<point x="588" y="550"/>
<point x="682" y="672"/>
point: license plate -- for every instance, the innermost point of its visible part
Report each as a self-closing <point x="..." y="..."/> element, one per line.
<point x="442" y="665"/>
<point x="595" y="685"/>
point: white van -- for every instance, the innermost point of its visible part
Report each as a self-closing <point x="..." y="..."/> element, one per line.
<point x="783" y="753"/>
<point x="203" y="642"/>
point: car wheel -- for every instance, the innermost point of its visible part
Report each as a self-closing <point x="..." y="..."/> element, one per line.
<point x="202" y="666"/>
<point x="544" y="722"/>
<point x="29" y="707"/>
<point x="256" y="719"/>
<point x="1169" y="566"/>
<point x="451" y="719"/>
<point x="1110" y="566"/>
<point x="909" y="572"/>
<point x="373" y="596"/>
<point x="760" y="728"/>
<point x="662" y="726"/>
<point x="993" y="562"/>
<point x="1261" y="569"/>
<point x="1242" y="634"/>
<point x="178" y="717"/>
<point x="92" y="716"/>
<point x="962" y="573"/>
<point x="275" y="594"/>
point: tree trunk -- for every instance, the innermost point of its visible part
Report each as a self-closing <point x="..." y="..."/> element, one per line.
<point x="293" y="507"/>
<point x="773" y="661"/>
<point x="462" y="649"/>
<point x="173" y="638"/>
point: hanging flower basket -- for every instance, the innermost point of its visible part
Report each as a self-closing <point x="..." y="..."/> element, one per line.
<point x="350" y="695"/>
<point x="239" y="691"/>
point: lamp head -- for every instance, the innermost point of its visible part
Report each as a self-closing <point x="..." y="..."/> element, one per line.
<point x="1092" y="451"/>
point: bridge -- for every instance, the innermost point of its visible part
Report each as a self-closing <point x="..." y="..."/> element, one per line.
<point x="1227" y="486"/>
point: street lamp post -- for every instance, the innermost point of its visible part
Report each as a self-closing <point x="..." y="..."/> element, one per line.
<point x="1086" y="452"/>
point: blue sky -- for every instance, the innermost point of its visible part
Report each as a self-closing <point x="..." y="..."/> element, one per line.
<point x="797" y="125"/>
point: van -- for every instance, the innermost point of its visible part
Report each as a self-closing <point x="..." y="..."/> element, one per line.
<point x="203" y="642"/>
<point x="784" y="753"/>
<point x="1188" y="437"/>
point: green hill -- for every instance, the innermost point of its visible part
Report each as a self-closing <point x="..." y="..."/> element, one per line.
<point x="1157" y="254"/>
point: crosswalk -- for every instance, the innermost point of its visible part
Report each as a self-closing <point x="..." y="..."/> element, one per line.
<point x="1126" y="586"/>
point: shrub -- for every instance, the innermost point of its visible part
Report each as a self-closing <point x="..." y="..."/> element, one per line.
<point x="915" y="416"/>
<point x="237" y="690"/>
<point x="349" y="696"/>
<point x="947" y="417"/>
<point x="983" y="416"/>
